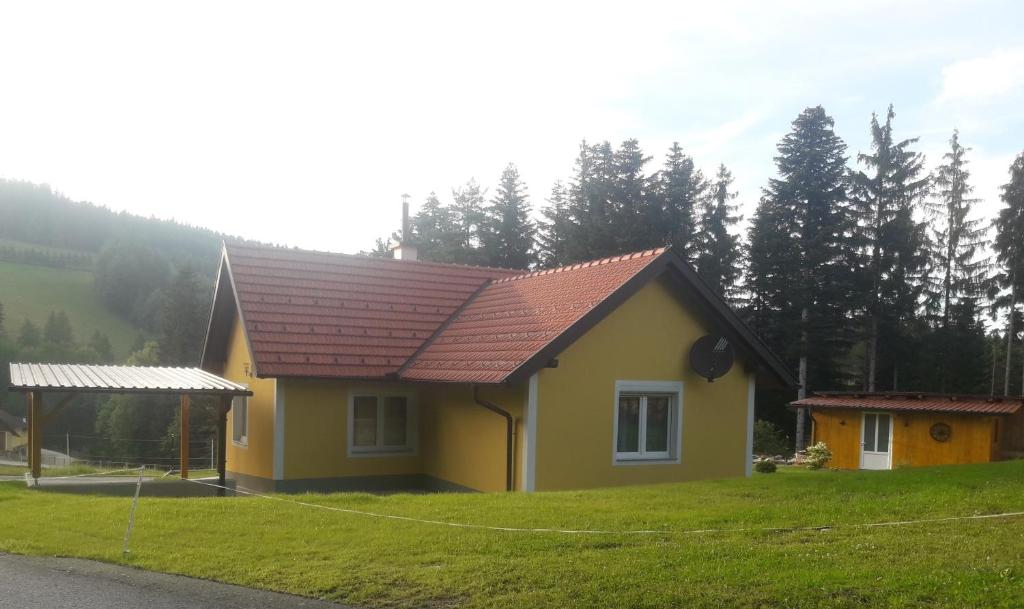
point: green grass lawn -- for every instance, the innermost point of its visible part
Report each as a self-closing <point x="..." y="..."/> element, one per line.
<point x="387" y="563"/>
<point x="32" y="292"/>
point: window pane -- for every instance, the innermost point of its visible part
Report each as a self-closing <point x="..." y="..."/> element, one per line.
<point x="239" y="418"/>
<point x="629" y="424"/>
<point x="364" y="421"/>
<point x="883" y="433"/>
<point x="657" y="423"/>
<point x="395" y="421"/>
<point x="869" y="431"/>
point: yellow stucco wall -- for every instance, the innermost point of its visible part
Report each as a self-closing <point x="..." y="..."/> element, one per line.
<point x="647" y="338"/>
<point x="316" y="432"/>
<point x="463" y="442"/>
<point x="256" y="459"/>
<point x="912" y="445"/>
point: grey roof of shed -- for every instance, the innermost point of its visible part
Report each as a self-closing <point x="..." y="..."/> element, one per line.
<point x="11" y="423"/>
<point x="77" y="378"/>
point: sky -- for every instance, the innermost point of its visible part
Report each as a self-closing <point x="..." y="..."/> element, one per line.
<point x="303" y="123"/>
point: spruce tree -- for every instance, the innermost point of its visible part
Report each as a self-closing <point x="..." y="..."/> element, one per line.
<point x="509" y="231"/>
<point x="681" y="186"/>
<point x="802" y="263"/>
<point x="591" y="208"/>
<point x="893" y="240"/>
<point x="555" y="229"/>
<point x="958" y="239"/>
<point x="634" y="213"/>
<point x="1009" y="248"/>
<point x="469" y="219"/>
<point x="100" y="345"/>
<point x="435" y="232"/>
<point x="717" y="250"/>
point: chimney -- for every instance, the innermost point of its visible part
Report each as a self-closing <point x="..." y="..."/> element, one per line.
<point x="405" y="250"/>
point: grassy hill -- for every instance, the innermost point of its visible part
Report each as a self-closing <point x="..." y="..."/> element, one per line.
<point x="31" y="292"/>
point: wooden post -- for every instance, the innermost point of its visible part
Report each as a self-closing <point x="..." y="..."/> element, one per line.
<point x="184" y="436"/>
<point x="35" y="434"/>
<point x="222" y="442"/>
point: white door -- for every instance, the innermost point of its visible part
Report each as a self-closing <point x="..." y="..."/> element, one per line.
<point x="876" y="441"/>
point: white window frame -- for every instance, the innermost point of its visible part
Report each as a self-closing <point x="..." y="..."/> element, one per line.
<point x="242" y="441"/>
<point x="411" y="430"/>
<point x="673" y="389"/>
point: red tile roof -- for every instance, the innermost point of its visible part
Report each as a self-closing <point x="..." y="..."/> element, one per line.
<point x="335" y="315"/>
<point x="910" y="402"/>
<point x="514" y="318"/>
<point x="314" y="314"/>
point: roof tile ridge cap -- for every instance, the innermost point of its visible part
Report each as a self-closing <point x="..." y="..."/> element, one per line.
<point x="588" y="263"/>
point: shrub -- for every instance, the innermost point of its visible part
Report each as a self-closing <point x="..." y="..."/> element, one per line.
<point x="765" y="467"/>
<point x="769" y="440"/>
<point x="817" y="456"/>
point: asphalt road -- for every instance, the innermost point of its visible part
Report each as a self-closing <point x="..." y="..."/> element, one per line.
<point x="69" y="583"/>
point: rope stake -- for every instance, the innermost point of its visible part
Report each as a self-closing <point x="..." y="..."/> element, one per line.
<point x="131" y="514"/>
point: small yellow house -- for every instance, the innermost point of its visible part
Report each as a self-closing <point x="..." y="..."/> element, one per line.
<point x="13" y="434"/>
<point x="376" y="374"/>
<point x="888" y="430"/>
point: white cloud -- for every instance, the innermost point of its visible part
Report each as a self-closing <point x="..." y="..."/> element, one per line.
<point x="984" y="78"/>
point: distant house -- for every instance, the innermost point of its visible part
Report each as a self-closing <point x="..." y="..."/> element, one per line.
<point x="13" y="432"/>
<point x="373" y="373"/>
<point x="887" y="430"/>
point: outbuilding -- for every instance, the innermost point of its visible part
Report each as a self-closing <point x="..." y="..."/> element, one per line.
<point x="887" y="430"/>
<point x="372" y="373"/>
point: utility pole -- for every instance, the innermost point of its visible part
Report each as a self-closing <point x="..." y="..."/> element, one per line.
<point x="67" y="446"/>
<point x="213" y="452"/>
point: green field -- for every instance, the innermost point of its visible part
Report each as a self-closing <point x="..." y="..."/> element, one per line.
<point x="32" y="292"/>
<point x="377" y="562"/>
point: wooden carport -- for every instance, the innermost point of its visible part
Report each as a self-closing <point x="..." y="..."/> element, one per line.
<point x="36" y="380"/>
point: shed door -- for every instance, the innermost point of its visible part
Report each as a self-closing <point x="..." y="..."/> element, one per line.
<point x="876" y="441"/>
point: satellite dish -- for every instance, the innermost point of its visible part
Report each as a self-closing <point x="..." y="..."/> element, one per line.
<point x="711" y="356"/>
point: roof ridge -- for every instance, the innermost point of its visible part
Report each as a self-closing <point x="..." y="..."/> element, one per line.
<point x="447" y="265"/>
<point x="589" y="263"/>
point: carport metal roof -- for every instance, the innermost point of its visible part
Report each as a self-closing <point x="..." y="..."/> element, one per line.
<point x="36" y="380"/>
<point x="81" y="378"/>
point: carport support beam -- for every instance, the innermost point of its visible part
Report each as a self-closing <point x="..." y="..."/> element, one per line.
<point x="222" y="443"/>
<point x="184" y="436"/>
<point x="35" y="435"/>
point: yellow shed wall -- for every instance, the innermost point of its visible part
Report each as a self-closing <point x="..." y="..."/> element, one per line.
<point x="647" y="338"/>
<point x="463" y="442"/>
<point x="972" y="439"/>
<point x="316" y="432"/>
<point x="256" y="459"/>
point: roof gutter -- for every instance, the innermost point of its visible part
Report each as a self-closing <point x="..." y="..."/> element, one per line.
<point x="508" y="432"/>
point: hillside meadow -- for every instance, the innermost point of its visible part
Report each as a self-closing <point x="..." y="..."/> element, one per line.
<point x="370" y="561"/>
<point x="32" y="292"/>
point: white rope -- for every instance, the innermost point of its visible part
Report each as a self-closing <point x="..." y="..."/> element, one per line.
<point x="461" y="525"/>
<point x="107" y="473"/>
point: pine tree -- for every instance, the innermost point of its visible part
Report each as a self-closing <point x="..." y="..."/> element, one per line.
<point x="100" y="345"/>
<point x="508" y="236"/>
<point x="957" y="241"/>
<point x="893" y="240"/>
<point x="57" y="331"/>
<point x="681" y="186"/>
<point x="183" y="318"/>
<point x="1009" y="248"/>
<point x="555" y="229"/>
<point x="800" y="255"/>
<point x="29" y="336"/>
<point x="718" y="251"/>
